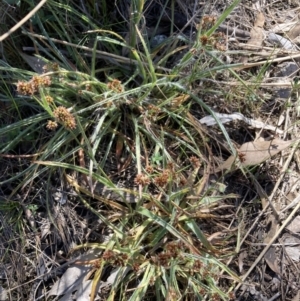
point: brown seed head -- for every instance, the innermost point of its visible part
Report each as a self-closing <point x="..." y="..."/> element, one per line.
<point x="115" y="85"/>
<point x="142" y="179"/>
<point x="65" y="117"/>
<point x="51" y="125"/>
<point x="49" y="99"/>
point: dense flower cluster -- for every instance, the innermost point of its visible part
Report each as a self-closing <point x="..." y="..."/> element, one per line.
<point x="195" y="161"/>
<point x="32" y="87"/>
<point x="63" y="116"/>
<point x="163" y="178"/>
<point x="51" y="125"/>
<point x="217" y="40"/>
<point x="49" y="99"/>
<point x="116" y="259"/>
<point x="115" y="85"/>
<point x="142" y="179"/>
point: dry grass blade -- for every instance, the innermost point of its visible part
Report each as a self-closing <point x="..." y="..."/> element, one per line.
<point x="26" y="18"/>
<point x="285" y="223"/>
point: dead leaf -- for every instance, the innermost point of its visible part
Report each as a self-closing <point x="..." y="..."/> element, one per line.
<point x="70" y="280"/>
<point x="257" y="32"/>
<point x="259" y="151"/>
<point x="116" y="273"/>
<point x="256" y="35"/>
<point x="297" y="297"/>
<point x="3" y="294"/>
<point x="292" y="251"/>
<point x="270" y="256"/>
<point x="294" y="226"/>
<point x="225" y="118"/>
<point x="283" y="27"/>
<point x="260" y="20"/>
<point x="34" y="62"/>
<point x="74" y="277"/>
<point x="294" y="32"/>
<point x="84" y="290"/>
<point x="271" y="259"/>
<point x="254" y="153"/>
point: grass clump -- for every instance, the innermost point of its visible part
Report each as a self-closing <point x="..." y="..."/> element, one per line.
<point x="110" y="100"/>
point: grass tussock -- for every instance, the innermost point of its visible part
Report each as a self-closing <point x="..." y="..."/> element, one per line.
<point x="105" y="95"/>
